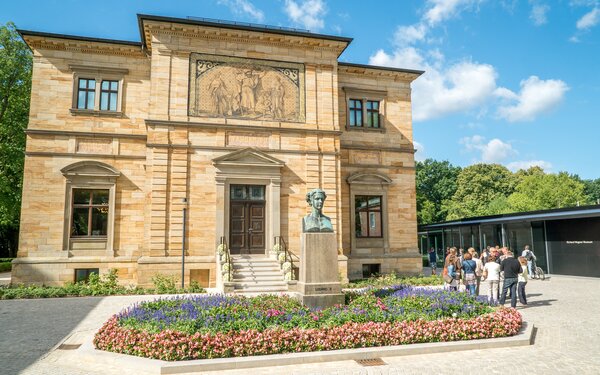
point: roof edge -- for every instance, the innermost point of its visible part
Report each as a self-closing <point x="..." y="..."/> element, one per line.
<point x="378" y="67"/>
<point x="24" y="33"/>
<point x="149" y="17"/>
<point x="512" y="214"/>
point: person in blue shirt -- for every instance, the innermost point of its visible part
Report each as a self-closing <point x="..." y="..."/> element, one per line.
<point x="433" y="261"/>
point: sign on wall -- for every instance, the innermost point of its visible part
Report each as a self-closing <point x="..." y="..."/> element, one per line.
<point x="224" y="86"/>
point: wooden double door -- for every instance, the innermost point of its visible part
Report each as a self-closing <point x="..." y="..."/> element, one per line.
<point x="247" y="219"/>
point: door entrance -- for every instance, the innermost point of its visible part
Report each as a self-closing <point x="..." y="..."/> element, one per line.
<point x="247" y="219"/>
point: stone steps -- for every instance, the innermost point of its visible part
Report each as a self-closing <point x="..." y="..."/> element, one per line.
<point x="257" y="275"/>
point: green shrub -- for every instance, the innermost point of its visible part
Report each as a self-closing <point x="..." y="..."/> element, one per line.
<point x="5" y="266"/>
<point x="96" y="285"/>
<point x="394" y="279"/>
<point x="165" y="284"/>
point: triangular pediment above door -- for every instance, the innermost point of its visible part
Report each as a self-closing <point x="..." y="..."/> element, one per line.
<point x="248" y="157"/>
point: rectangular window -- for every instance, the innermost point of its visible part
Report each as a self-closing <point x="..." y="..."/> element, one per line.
<point x="86" y="93"/>
<point x="108" y="95"/>
<point x="367" y="209"/>
<point x="372" y="114"/>
<point x="355" y="112"/>
<point x="369" y="270"/>
<point x="247" y="192"/>
<point x="90" y="213"/>
<point x="83" y="274"/>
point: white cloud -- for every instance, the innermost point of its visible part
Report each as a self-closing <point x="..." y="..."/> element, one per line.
<point x="538" y="14"/>
<point x="440" y="91"/>
<point x="494" y="151"/>
<point x="516" y="165"/>
<point x="244" y="7"/>
<point x="308" y="13"/>
<point x="406" y="35"/>
<point x="420" y="151"/>
<point x="442" y="10"/>
<point x="590" y="19"/>
<point x="536" y="97"/>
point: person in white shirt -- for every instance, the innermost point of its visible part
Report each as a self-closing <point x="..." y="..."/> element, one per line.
<point x="530" y="257"/>
<point x="491" y="273"/>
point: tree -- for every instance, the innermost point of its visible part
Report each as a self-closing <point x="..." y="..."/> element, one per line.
<point x="436" y="183"/>
<point x="477" y="186"/>
<point x="547" y="191"/>
<point x="592" y="190"/>
<point x="15" y="88"/>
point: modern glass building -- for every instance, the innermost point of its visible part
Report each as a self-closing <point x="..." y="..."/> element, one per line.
<point x="566" y="241"/>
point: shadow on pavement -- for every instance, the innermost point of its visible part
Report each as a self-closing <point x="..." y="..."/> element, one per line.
<point x="542" y="303"/>
<point x="30" y="328"/>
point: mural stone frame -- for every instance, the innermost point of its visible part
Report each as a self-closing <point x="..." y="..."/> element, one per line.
<point x="254" y="89"/>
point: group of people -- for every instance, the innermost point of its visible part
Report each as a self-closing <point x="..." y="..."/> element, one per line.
<point x="497" y="266"/>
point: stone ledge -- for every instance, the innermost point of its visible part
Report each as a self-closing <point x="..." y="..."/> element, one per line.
<point x="88" y="354"/>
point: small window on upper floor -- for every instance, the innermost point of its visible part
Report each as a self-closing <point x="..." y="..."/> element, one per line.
<point x="372" y="114"/>
<point x="355" y="112"/>
<point x="97" y="90"/>
<point x="108" y="91"/>
<point x="86" y="93"/>
<point x="364" y="109"/>
<point x="109" y="95"/>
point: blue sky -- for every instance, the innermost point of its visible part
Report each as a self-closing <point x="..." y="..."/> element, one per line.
<point x="515" y="82"/>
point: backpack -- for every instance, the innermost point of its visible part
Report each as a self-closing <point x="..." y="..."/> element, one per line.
<point x="529" y="255"/>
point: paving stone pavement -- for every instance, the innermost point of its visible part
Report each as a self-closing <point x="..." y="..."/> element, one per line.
<point x="567" y="341"/>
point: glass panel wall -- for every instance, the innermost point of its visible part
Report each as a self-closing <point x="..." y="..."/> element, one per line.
<point x="539" y="244"/>
<point x="491" y="235"/>
<point x="517" y="236"/>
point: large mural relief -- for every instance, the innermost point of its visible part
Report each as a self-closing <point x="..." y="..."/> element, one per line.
<point x="223" y="86"/>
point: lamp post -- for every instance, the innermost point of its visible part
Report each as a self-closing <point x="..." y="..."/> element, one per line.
<point x="184" y="201"/>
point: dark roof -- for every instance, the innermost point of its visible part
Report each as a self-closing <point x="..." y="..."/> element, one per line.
<point x="419" y="72"/>
<point x="237" y="26"/>
<point x="553" y="214"/>
<point x="74" y="37"/>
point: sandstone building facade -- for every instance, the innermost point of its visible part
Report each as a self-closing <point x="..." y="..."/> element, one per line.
<point x="235" y="124"/>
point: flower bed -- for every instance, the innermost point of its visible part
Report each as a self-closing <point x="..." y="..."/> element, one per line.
<point x="218" y="326"/>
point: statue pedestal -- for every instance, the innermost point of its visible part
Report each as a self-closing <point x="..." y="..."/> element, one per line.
<point x="318" y="282"/>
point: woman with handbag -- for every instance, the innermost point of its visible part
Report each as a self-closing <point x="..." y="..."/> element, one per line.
<point x="450" y="273"/>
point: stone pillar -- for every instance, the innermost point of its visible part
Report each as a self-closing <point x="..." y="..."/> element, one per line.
<point x="319" y="284"/>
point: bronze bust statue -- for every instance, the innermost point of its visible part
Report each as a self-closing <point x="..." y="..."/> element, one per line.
<point x="316" y="221"/>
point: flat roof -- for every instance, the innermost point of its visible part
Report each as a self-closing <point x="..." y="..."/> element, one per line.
<point x="553" y="214"/>
<point x="378" y="67"/>
<point x="75" y="37"/>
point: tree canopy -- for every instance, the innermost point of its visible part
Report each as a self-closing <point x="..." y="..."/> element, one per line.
<point x="446" y="192"/>
<point x="436" y="183"/>
<point x="15" y="88"/>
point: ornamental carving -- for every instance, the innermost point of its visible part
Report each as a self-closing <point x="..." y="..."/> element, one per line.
<point x="223" y="86"/>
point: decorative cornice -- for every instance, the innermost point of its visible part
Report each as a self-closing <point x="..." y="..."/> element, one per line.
<point x="239" y="36"/>
<point x="84" y="134"/>
<point x="379" y="71"/>
<point x="82" y="155"/>
<point x="346" y="146"/>
<point x="229" y="148"/>
<point x="190" y="124"/>
<point x="57" y="43"/>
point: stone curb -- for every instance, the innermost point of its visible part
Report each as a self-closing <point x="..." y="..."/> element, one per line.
<point x="88" y="353"/>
